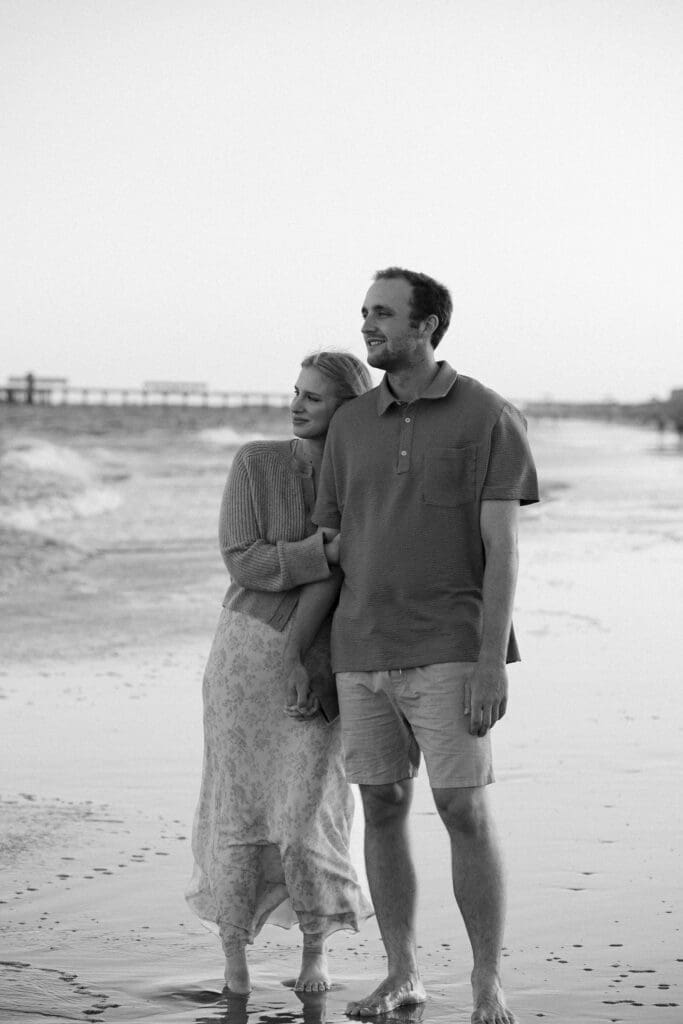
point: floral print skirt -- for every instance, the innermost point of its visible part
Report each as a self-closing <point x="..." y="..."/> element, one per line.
<point x="271" y="830"/>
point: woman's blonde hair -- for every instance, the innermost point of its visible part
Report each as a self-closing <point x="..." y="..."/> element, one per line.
<point x="349" y="375"/>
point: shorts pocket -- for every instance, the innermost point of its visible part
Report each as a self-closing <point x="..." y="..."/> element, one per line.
<point x="450" y="476"/>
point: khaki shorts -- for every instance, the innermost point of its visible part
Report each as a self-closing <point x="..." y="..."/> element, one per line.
<point x="389" y="718"/>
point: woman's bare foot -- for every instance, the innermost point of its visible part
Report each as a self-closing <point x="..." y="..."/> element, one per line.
<point x="237" y="972"/>
<point x="392" y="992"/>
<point x="489" y="1001"/>
<point x="313" y="976"/>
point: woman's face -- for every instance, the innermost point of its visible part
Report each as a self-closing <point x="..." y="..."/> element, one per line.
<point x="313" y="404"/>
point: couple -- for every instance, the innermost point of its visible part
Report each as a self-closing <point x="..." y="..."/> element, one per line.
<point x="414" y="487"/>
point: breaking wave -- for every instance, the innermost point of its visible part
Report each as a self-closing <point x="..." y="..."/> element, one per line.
<point x="42" y="483"/>
<point x="226" y="437"/>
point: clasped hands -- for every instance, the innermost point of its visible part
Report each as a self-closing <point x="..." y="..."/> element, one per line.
<point x="300" y="702"/>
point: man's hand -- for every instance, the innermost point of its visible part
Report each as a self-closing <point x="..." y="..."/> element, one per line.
<point x="300" y="702"/>
<point x="486" y="696"/>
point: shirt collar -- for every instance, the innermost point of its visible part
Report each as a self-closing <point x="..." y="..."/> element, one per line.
<point x="439" y="387"/>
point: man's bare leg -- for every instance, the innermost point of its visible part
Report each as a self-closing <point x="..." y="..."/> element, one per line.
<point x="479" y="887"/>
<point x="393" y="888"/>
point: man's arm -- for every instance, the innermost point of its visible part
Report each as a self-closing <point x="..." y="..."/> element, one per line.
<point x="487" y="692"/>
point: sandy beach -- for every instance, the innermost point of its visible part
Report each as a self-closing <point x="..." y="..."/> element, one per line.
<point x="112" y="584"/>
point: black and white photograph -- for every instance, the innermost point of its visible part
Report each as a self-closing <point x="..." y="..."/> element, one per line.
<point x="341" y="511"/>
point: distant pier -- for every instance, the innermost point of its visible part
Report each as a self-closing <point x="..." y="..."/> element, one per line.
<point x="32" y="389"/>
<point x="659" y="413"/>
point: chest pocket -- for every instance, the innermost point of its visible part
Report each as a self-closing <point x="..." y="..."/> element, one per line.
<point x="450" y="476"/>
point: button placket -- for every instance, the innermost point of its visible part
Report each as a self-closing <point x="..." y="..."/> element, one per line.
<point x="405" y="439"/>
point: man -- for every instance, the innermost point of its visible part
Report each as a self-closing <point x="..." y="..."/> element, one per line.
<point x="423" y="477"/>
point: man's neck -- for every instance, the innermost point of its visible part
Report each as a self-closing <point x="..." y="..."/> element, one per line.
<point x="409" y="384"/>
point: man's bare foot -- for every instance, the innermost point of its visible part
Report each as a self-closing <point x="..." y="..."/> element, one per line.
<point x="389" y="994"/>
<point x="313" y="976"/>
<point x="489" y="1001"/>
<point x="237" y="972"/>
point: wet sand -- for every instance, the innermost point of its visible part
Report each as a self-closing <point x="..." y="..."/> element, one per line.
<point x="101" y="721"/>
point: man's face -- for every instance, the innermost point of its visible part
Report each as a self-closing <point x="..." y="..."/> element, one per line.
<point x="392" y="343"/>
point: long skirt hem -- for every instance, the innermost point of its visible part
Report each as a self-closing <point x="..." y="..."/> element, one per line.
<point x="272" y="826"/>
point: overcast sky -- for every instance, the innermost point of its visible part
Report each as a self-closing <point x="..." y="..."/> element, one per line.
<point x="202" y="191"/>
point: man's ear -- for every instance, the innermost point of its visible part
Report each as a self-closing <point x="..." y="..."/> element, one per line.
<point x="430" y="324"/>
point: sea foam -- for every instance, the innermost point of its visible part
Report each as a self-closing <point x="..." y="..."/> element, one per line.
<point x="226" y="437"/>
<point x="42" y="482"/>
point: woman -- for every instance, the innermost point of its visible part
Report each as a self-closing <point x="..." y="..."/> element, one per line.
<point x="275" y="810"/>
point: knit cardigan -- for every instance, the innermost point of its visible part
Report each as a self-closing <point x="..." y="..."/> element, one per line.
<point x="267" y="540"/>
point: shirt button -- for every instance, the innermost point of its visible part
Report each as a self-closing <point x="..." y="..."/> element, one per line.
<point x="404" y="453"/>
<point x="407" y="419"/>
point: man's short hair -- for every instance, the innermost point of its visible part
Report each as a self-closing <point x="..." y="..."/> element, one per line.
<point x="428" y="298"/>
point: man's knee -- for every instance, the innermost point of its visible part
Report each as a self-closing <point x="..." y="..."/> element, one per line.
<point x="463" y="810"/>
<point x="387" y="803"/>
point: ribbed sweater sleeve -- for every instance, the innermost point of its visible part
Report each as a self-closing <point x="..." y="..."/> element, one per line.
<point x="260" y="489"/>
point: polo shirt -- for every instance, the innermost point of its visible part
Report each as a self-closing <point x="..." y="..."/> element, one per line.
<point x="404" y="484"/>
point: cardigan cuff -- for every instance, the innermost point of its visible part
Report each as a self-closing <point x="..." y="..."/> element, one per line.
<point x="303" y="561"/>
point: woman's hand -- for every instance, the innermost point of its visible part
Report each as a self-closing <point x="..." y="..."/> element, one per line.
<point x="300" y="701"/>
<point x="331" y="544"/>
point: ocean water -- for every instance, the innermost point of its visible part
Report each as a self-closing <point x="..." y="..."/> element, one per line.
<point x="609" y="476"/>
<point x="77" y="480"/>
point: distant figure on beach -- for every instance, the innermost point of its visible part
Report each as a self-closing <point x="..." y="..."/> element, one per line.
<point x="424" y="476"/>
<point x="271" y="830"/>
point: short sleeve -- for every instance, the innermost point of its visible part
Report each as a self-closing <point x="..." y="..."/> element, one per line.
<point x="511" y="473"/>
<point x="327" y="511"/>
